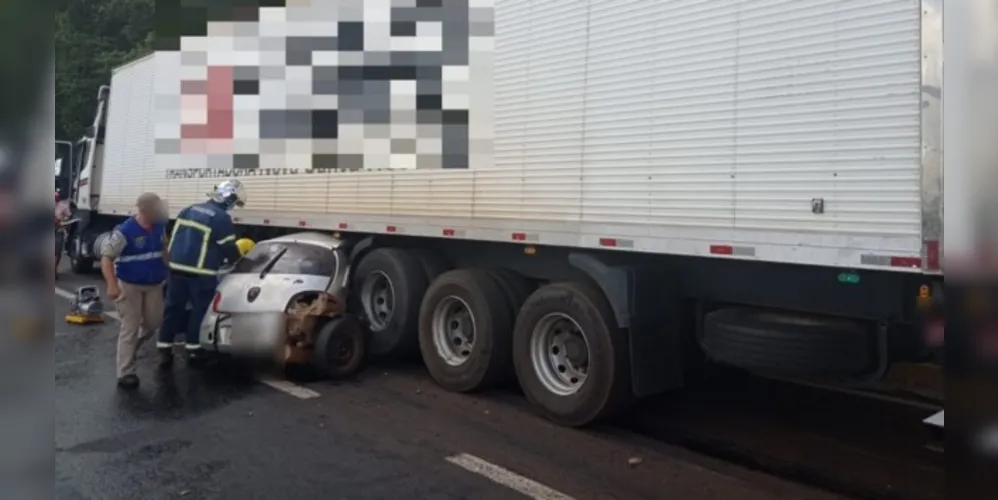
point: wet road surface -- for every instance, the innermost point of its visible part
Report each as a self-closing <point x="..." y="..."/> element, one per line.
<point x="391" y="433"/>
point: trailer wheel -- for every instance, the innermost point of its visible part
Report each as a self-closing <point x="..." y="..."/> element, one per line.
<point x="388" y="288"/>
<point x="570" y="357"/>
<point x="340" y="347"/>
<point x="514" y="286"/>
<point x="433" y="264"/>
<point x="464" y="331"/>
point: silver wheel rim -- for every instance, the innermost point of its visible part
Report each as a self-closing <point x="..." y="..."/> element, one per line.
<point x="453" y="330"/>
<point x="377" y="295"/>
<point x="559" y="351"/>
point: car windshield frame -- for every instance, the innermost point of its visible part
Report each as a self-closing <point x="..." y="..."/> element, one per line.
<point x="290" y="258"/>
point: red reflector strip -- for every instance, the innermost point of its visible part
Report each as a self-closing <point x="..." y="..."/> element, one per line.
<point x="616" y="243"/>
<point x="932" y="255"/>
<point x="343" y="225"/>
<point x="906" y="262"/>
<point x="302" y="223"/>
<point x="722" y="249"/>
<point x="447" y="231"/>
<point x="391" y="229"/>
<point x="736" y="251"/>
<point x="519" y="236"/>
<point x="266" y="221"/>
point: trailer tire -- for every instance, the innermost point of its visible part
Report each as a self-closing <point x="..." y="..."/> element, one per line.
<point x="340" y="347"/>
<point x="605" y="388"/>
<point x="395" y="334"/>
<point x="466" y="298"/>
<point x="789" y="344"/>
<point x="433" y="264"/>
<point x="515" y="287"/>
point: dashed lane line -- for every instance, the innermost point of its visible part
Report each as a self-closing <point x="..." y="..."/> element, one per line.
<point x="289" y="388"/>
<point x="525" y="486"/>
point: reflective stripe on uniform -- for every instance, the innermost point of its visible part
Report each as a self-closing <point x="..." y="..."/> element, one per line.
<point x="204" y="242"/>
<point x="193" y="347"/>
<point x="163" y="345"/>
<point x="227" y="239"/>
<point x="192" y="269"/>
<point x="141" y="256"/>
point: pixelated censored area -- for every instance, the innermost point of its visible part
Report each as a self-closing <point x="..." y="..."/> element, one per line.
<point x="320" y="84"/>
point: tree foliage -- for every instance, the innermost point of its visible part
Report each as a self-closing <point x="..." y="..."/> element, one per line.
<point x="25" y="33"/>
<point x="92" y="37"/>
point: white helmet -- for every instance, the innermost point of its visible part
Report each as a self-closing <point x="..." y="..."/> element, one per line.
<point x="230" y="193"/>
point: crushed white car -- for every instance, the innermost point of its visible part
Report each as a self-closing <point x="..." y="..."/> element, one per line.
<point x="285" y="301"/>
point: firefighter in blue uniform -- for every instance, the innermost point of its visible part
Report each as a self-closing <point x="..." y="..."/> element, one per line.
<point x="203" y="239"/>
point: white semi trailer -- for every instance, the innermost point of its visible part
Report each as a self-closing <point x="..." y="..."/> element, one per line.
<point x="649" y="183"/>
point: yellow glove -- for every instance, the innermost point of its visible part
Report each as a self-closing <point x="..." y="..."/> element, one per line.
<point x="245" y="245"/>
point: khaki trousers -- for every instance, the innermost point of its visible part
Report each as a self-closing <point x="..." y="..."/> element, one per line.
<point x="141" y="311"/>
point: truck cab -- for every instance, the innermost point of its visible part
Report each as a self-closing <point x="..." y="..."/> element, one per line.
<point x="78" y="181"/>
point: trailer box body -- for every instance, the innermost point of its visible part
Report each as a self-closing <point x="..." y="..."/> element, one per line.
<point x="803" y="132"/>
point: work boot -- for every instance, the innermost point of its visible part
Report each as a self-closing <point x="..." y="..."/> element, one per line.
<point x="130" y="381"/>
<point x="196" y="359"/>
<point x="165" y="358"/>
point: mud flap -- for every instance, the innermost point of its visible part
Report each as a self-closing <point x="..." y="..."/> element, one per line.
<point x="649" y="310"/>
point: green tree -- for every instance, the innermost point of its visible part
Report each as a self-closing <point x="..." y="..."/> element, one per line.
<point x="25" y="54"/>
<point x="92" y="37"/>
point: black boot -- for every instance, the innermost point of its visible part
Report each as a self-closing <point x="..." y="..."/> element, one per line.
<point x="130" y="381"/>
<point x="196" y="358"/>
<point x="165" y="358"/>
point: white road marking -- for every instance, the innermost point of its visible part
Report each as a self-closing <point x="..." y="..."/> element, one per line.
<point x="284" y="386"/>
<point x="507" y="478"/>
<point x="70" y="296"/>
<point x="289" y="388"/>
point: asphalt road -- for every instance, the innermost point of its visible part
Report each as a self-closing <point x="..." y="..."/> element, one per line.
<point x="389" y="434"/>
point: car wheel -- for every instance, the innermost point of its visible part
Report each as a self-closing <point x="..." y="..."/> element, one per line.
<point x="570" y="358"/>
<point x="464" y="331"/>
<point x="340" y="347"/>
<point x="388" y="288"/>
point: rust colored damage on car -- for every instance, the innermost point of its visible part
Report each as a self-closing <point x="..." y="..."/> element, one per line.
<point x="304" y="318"/>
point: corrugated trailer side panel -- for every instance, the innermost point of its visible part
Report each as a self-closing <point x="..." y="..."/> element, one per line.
<point x="786" y="131"/>
<point x="129" y="158"/>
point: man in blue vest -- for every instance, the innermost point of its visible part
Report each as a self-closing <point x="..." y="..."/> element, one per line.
<point x="203" y="239"/>
<point x="133" y="262"/>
